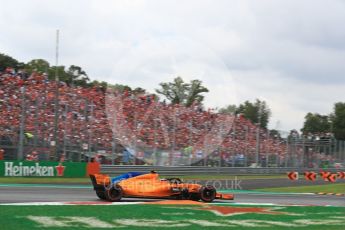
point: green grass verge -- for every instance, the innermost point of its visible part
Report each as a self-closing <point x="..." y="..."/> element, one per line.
<point x="332" y="188"/>
<point x="171" y="217"/>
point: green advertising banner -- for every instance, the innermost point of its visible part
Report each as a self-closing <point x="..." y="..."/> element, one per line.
<point x="42" y="169"/>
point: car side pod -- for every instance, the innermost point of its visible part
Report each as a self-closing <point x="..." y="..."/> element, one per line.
<point x="222" y="196"/>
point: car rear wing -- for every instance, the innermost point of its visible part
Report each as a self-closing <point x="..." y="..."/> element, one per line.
<point x="99" y="181"/>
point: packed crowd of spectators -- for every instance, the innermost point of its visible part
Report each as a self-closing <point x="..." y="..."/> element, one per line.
<point x="141" y="122"/>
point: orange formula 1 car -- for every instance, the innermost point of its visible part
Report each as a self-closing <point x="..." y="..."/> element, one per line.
<point x="149" y="185"/>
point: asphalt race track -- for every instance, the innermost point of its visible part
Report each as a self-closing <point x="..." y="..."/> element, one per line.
<point x="60" y="193"/>
<point x="249" y="184"/>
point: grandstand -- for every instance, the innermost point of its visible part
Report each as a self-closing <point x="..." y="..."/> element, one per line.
<point x="123" y="128"/>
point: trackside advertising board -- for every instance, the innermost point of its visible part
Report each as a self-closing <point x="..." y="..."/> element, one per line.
<point x="42" y="169"/>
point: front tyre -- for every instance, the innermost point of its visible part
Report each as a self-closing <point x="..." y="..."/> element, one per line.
<point x="208" y="193"/>
<point x="114" y="193"/>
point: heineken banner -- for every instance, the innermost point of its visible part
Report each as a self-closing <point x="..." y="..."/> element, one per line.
<point x="42" y="169"/>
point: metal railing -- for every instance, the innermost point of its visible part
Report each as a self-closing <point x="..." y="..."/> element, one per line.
<point x="193" y="170"/>
<point x="299" y="153"/>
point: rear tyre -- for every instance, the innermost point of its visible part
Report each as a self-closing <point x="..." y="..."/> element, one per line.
<point x="101" y="194"/>
<point x="208" y="193"/>
<point x="114" y="193"/>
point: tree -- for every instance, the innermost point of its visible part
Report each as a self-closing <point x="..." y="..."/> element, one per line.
<point x="7" y="61"/>
<point x="120" y="88"/>
<point x="257" y="112"/>
<point x="316" y="123"/>
<point x="101" y="85"/>
<point x="37" y="65"/>
<point x="230" y="109"/>
<point x="195" y="90"/>
<point x="63" y="76"/>
<point x="293" y="135"/>
<point x="179" y="92"/>
<point x="139" y="91"/>
<point x="74" y="75"/>
<point x="275" y="134"/>
<point x="338" y="120"/>
<point x="77" y="76"/>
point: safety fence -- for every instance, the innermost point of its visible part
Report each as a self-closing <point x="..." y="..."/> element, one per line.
<point x="194" y="170"/>
<point x="299" y="152"/>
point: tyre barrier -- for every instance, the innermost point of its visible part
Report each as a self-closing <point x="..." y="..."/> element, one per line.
<point x="293" y="175"/>
<point x="312" y="176"/>
<point x="325" y="175"/>
<point x="341" y="175"/>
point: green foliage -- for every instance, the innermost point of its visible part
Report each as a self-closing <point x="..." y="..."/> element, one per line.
<point x="257" y="112"/>
<point x="7" y="61"/>
<point x="138" y="91"/>
<point x="293" y="135"/>
<point x="120" y="88"/>
<point x="174" y="91"/>
<point x="37" y="65"/>
<point x="77" y="76"/>
<point x="60" y="70"/>
<point x="74" y="75"/>
<point x="316" y="123"/>
<point x="194" y="92"/>
<point x="179" y="92"/>
<point x="275" y="134"/>
<point x="338" y="119"/>
<point x="102" y="85"/>
<point x="230" y="109"/>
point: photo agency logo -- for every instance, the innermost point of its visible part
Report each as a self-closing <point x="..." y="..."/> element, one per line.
<point x="171" y="183"/>
<point x="228" y="184"/>
<point x="170" y="130"/>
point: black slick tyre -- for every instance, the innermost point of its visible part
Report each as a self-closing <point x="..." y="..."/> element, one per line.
<point x="207" y="194"/>
<point x="114" y="193"/>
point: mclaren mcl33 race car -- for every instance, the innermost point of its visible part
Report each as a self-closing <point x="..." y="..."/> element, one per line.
<point x="149" y="185"/>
